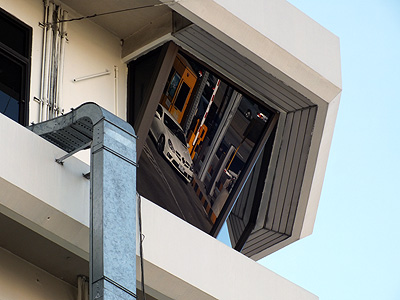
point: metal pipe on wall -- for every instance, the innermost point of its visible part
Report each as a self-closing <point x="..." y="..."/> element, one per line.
<point x="46" y="69"/>
<point x="54" y="64"/>
<point x="53" y="53"/>
<point x="116" y="90"/>
<point x="60" y="75"/>
<point x="106" y="72"/>
<point x="44" y="43"/>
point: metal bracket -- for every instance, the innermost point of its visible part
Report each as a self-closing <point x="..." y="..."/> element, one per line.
<point x="106" y="72"/>
<point x="61" y="159"/>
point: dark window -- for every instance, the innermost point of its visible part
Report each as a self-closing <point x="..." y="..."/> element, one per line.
<point x="11" y="74"/>
<point x="174" y="84"/>
<point x="140" y="73"/>
<point x="181" y="98"/>
<point x="14" y="36"/>
<point x="15" y="49"/>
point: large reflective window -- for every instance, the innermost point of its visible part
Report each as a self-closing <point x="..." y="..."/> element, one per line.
<point x="201" y="144"/>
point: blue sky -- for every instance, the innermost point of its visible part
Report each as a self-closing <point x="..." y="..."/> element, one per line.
<point x="354" y="252"/>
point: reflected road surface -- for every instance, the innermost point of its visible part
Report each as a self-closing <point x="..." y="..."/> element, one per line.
<point x="159" y="182"/>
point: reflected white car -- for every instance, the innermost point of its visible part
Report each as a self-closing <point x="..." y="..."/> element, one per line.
<point x="171" y="142"/>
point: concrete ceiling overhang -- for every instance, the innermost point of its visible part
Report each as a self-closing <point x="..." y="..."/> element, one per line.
<point x="306" y="99"/>
<point x="122" y="17"/>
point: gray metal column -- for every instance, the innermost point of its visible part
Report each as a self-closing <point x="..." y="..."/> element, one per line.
<point x="113" y="200"/>
<point x="219" y="135"/>
<point x="112" y="194"/>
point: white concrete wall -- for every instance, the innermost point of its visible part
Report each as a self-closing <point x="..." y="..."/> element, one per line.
<point x="182" y="262"/>
<point x="89" y="50"/>
<point x="48" y="198"/>
<point x="20" y="280"/>
<point x="92" y="50"/>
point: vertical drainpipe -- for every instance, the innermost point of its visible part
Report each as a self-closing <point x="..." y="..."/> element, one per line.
<point x="116" y="90"/>
<point x="47" y="62"/>
<point x="55" y="62"/>
<point x="42" y="75"/>
<point x="60" y="75"/>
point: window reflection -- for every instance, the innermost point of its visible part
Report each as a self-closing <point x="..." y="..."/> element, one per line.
<point x="222" y="128"/>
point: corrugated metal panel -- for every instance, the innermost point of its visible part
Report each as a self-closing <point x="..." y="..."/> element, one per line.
<point x="291" y="197"/>
<point x="287" y="175"/>
<point x="248" y="203"/>
<point x="240" y="214"/>
<point x="301" y="167"/>
<point x="268" y="242"/>
<point x="242" y="69"/>
<point x="283" y="197"/>
<point x="72" y="137"/>
<point x="261" y="236"/>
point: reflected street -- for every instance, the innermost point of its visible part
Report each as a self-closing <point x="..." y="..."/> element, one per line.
<point x="156" y="177"/>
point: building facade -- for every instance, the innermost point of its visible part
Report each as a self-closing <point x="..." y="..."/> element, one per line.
<point x="233" y="107"/>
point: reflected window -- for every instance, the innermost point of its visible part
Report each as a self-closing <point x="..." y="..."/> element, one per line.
<point x="173" y="86"/>
<point x="182" y="96"/>
<point x="15" y="49"/>
<point x="10" y="88"/>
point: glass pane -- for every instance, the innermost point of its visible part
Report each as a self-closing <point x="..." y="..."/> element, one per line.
<point x="174" y="84"/>
<point x="13" y="35"/>
<point x="9" y="106"/>
<point x="181" y="99"/>
<point x="11" y="75"/>
<point x="200" y="176"/>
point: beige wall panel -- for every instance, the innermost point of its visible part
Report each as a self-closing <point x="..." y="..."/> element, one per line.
<point x="91" y="50"/>
<point x="20" y="280"/>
